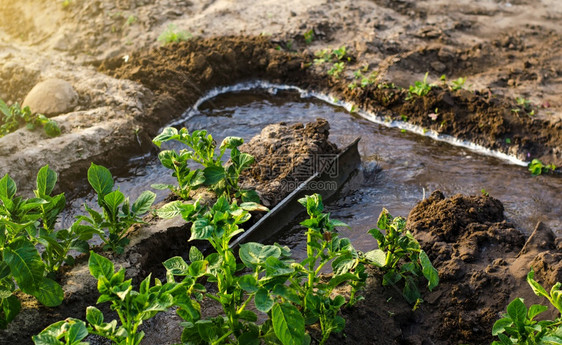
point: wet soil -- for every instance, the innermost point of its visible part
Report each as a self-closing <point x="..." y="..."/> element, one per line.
<point x="482" y="263"/>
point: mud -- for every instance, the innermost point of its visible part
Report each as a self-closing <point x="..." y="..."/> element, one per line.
<point x="482" y="263"/>
<point x="279" y="151"/>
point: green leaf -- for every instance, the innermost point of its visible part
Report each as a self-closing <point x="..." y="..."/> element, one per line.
<point x="201" y="230"/>
<point x="245" y="160"/>
<point x="501" y="325"/>
<point x="113" y="200"/>
<point x="275" y="267"/>
<point x="176" y="265"/>
<point x="263" y="301"/>
<point x="535" y="286"/>
<point x="143" y="202"/>
<point x="287" y="293"/>
<point x="100" y="266"/>
<point x="198" y="268"/>
<point x="46" y="339"/>
<point x="170" y="210"/>
<point x="378" y="236"/>
<point x="94" y="316"/>
<point x="535" y="310"/>
<point x="195" y="254"/>
<point x="52" y="128"/>
<point x="288" y="324"/>
<point x="77" y="332"/>
<point x="46" y="180"/>
<point x="100" y="179"/>
<point x="254" y="254"/>
<point x="517" y="311"/>
<point x="213" y="175"/>
<point x="377" y="257"/>
<point x="49" y="293"/>
<point x="410" y="291"/>
<point x="11" y="307"/>
<point x="4" y="270"/>
<point x="248" y="283"/>
<point x="429" y="272"/>
<point x="7" y="187"/>
<point x="25" y="264"/>
<point x="231" y="142"/>
<point x="167" y="134"/>
<point x="343" y="264"/>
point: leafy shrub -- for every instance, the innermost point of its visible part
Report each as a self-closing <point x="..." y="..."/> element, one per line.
<point x="14" y="117"/>
<point x="519" y="326"/>
<point x="400" y="256"/>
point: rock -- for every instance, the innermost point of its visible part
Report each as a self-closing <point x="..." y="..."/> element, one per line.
<point x="438" y="66"/>
<point x="51" y="97"/>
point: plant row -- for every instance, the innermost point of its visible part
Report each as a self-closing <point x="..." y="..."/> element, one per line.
<point x="265" y="283"/>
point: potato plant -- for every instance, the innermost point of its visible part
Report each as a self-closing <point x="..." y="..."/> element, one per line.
<point x="222" y="178"/>
<point x="117" y="215"/>
<point x="13" y="117"/>
<point x="291" y="295"/>
<point x="133" y="308"/>
<point x="519" y="326"/>
<point x="400" y="257"/>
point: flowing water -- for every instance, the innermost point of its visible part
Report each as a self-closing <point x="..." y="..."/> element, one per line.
<point x="398" y="168"/>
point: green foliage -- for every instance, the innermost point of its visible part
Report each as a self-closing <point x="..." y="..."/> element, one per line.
<point x="458" y="84"/>
<point x="171" y="35"/>
<point x="67" y="332"/>
<point x="291" y="295"/>
<point x="420" y="88"/>
<point x="133" y="308"/>
<point x="309" y="36"/>
<point x="536" y="167"/>
<point x="222" y="178"/>
<point x="362" y="78"/>
<point x="117" y="215"/>
<point x="400" y="256"/>
<point x="519" y="326"/>
<point x="25" y="224"/>
<point x="336" y="69"/>
<point x="14" y="117"/>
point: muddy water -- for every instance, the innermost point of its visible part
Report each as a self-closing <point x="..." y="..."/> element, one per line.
<point x="398" y="167"/>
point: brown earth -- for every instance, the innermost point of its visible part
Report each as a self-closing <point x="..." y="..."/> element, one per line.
<point x="482" y="263"/>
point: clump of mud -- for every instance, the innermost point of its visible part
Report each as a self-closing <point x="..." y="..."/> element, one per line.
<point x="482" y="262"/>
<point x="286" y="155"/>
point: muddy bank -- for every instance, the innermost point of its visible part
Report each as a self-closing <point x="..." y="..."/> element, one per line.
<point x="482" y="263"/>
<point x="479" y="117"/>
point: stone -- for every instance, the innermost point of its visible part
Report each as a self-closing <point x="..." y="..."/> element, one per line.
<point x="51" y="97"/>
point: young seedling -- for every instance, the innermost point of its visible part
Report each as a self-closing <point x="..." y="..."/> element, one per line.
<point x="14" y="117"/>
<point x="519" y="326"/>
<point x="420" y="88"/>
<point x="117" y="215"/>
<point x="171" y="35"/>
<point x="536" y="167"/>
<point x="400" y="256"/>
<point x="309" y="36"/>
<point x="458" y="84"/>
